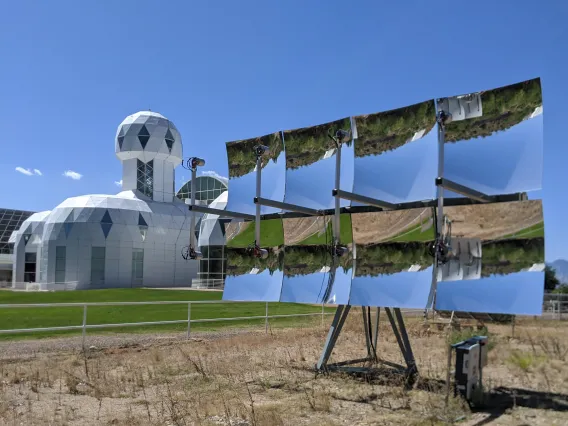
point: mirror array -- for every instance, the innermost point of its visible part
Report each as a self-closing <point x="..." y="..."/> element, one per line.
<point x="491" y="143"/>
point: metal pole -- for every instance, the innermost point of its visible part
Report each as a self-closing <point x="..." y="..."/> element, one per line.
<point x="440" y="190"/>
<point x="366" y="329"/>
<point x="404" y="335"/>
<point x="376" y="337"/>
<point x="258" y="190"/>
<point x="188" y="319"/>
<point x="322" y="314"/>
<point x="336" y="230"/>
<point x="192" y="230"/>
<point x="84" y="325"/>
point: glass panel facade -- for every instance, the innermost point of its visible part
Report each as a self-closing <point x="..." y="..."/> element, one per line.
<point x="212" y="267"/>
<point x="30" y="267"/>
<point x="10" y="221"/>
<point x="207" y="189"/>
<point x="60" y="261"/>
<point x="145" y="178"/>
<point x="137" y="267"/>
<point x="98" y="255"/>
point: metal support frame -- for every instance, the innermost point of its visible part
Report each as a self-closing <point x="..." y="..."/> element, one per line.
<point x="338" y="193"/>
<point x="259" y="201"/>
<point x="463" y="190"/>
<point x="258" y="194"/>
<point x="222" y="213"/>
<point x="371" y="330"/>
<point x="192" y="242"/>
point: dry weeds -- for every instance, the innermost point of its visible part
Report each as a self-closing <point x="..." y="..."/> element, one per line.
<point x="256" y="379"/>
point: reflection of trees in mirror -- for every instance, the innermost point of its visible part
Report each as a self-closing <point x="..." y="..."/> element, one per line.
<point x="241" y="156"/>
<point x="389" y="130"/>
<point x="503" y="108"/>
<point x="240" y="261"/>
<point x="308" y="145"/>
<point x="391" y="258"/>
<point x="510" y="256"/>
<point x="305" y="260"/>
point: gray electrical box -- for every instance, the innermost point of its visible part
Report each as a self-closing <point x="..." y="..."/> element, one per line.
<point x="471" y="357"/>
<point x="462" y="107"/>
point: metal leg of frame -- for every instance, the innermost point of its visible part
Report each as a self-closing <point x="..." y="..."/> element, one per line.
<point x="376" y="334"/>
<point x="334" y="331"/>
<point x="397" y="335"/>
<point x="405" y="339"/>
<point x="366" y="329"/>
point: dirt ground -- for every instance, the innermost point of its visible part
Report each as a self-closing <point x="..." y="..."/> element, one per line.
<point x="253" y="378"/>
<point x="493" y="221"/>
<point x="369" y="228"/>
<point x="298" y="229"/>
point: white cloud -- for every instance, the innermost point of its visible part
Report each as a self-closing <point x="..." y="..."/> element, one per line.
<point x="38" y="172"/>
<point x="214" y="174"/>
<point x="118" y="182"/>
<point x="73" y="175"/>
<point x="26" y="172"/>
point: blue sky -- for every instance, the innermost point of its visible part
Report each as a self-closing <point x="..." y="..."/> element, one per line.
<point x="226" y="70"/>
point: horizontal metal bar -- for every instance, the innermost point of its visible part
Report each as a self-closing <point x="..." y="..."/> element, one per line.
<point x="161" y="302"/>
<point x="362" y="199"/>
<point x="286" y="206"/>
<point x="464" y="190"/>
<point x="222" y="213"/>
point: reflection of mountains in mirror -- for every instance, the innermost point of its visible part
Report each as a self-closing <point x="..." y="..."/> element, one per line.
<point x="389" y="130"/>
<point x="391" y="258"/>
<point x="241" y="155"/>
<point x="240" y="261"/>
<point x="400" y="226"/>
<point x="316" y="230"/>
<point x="308" y="145"/>
<point x="241" y="234"/>
<point x="305" y="260"/>
<point x="512" y="234"/>
<point x="503" y="108"/>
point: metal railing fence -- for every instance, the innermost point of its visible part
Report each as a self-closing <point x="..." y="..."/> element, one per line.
<point x="85" y="326"/>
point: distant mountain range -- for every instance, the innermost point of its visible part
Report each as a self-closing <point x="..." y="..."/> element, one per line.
<point x="561" y="267"/>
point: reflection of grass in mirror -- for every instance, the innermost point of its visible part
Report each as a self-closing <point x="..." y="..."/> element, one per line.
<point x="391" y="258"/>
<point x="241" y="156"/>
<point x="307" y="145"/>
<point x="415" y="233"/>
<point x="304" y="260"/>
<point x="389" y="130"/>
<point x="534" y="231"/>
<point x="271" y="235"/>
<point x="240" y="261"/>
<point x="345" y="233"/>
<point x="509" y="256"/>
<point x="502" y="108"/>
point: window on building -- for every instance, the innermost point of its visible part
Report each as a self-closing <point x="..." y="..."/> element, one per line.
<point x="137" y="267"/>
<point x="207" y="189"/>
<point x="98" y="255"/>
<point x="30" y="267"/>
<point x="60" y="261"/>
<point x="145" y="178"/>
<point x="212" y="267"/>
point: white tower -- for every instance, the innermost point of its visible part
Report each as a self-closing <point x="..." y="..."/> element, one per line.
<point x="149" y="147"/>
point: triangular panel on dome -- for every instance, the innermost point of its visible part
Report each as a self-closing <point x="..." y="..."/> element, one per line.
<point x="170" y="144"/>
<point x="143" y="140"/>
<point x="67" y="226"/>
<point x="120" y="140"/>
<point x="106" y="228"/>
<point x="143" y="231"/>
<point x="26" y="238"/>
<point x="106" y="218"/>
<point x="141" y="221"/>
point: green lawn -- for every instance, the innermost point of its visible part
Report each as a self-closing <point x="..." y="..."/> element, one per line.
<point x="271" y="235"/>
<point x="345" y="233"/>
<point x="534" y="231"/>
<point x="63" y="316"/>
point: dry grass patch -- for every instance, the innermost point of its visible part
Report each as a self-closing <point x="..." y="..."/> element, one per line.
<point x="258" y="379"/>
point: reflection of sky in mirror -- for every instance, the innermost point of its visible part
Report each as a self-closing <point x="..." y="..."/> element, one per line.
<point x="506" y="162"/>
<point x="242" y="190"/>
<point x="311" y="186"/>
<point x="261" y="287"/>
<point x="312" y="288"/>
<point x="408" y="290"/>
<point x="402" y="175"/>
<point x="516" y="294"/>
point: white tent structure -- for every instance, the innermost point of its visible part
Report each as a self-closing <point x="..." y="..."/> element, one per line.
<point x="134" y="238"/>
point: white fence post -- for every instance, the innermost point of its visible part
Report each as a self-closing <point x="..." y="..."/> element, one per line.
<point x="84" y="325"/>
<point x="266" y="319"/>
<point x="188" y="319"/>
<point x="322" y="314"/>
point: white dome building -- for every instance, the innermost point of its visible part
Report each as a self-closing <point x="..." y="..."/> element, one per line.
<point x="134" y="238"/>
